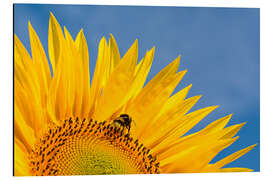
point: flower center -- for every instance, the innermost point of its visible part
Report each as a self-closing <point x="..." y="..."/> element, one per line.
<point x="81" y="147"/>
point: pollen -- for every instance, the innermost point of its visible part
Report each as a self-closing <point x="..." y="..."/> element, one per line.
<point x="84" y="147"/>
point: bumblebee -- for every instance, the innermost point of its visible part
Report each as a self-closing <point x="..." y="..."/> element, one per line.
<point x="124" y="122"/>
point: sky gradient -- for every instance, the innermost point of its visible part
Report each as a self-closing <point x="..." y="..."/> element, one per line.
<point x="218" y="46"/>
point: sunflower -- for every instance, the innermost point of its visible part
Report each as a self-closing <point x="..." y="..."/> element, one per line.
<point x="116" y="125"/>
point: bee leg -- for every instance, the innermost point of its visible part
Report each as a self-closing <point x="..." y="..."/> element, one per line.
<point x="122" y="130"/>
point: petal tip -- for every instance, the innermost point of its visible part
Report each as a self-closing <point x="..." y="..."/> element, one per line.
<point x="29" y="24"/>
<point x="51" y="14"/>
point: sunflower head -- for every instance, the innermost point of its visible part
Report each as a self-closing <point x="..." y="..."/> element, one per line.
<point x="116" y="125"/>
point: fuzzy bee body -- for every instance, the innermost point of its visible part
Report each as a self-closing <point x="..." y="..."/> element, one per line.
<point x="123" y="122"/>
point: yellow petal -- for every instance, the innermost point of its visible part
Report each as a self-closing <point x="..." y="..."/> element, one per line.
<point x="213" y="128"/>
<point x="216" y="125"/>
<point x="60" y="101"/>
<point x="56" y="105"/>
<point x="118" y="85"/>
<point x="160" y="78"/>
<point x="99" y="74"/>
<point x="82" y="47"/>
<point x="170" y="148"/>
<point x="25" y="71"/>
<point x="25" y="77"/>
<point x="141" y="73"/>
<point x="169" y="70"/>
<point x="235" y="170"/>
<point x="20" y="160"/>
<point x="193" y="118"/>
<point x="175" y="100"/>
<point x="181" y="154"/>
<point x="197" y="158"/>
<point x="30" y="106"/>
<point x="233" y="157"/>
<point x="22" y="131"/>
<point x="232" y="131"/>
<point x="55" y="38"/>
<point x="22" y="57"/>
<point x="150" y="100"/>
<point x="76" y="76"/>
<point x="114" y="54"/>
<point x="40" y="61"/>
<point x="58" y="96"/>
<point x="189" y="121"/>
<point x="168" y="122"/>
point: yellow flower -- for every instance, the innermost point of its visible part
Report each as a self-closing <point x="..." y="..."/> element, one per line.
<point x="65" y="126"/>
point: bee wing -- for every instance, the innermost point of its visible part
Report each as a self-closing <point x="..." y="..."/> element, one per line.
<point x="134" y="122"/>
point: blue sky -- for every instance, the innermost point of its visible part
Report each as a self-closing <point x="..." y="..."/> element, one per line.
<point x="219" y="47"/>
